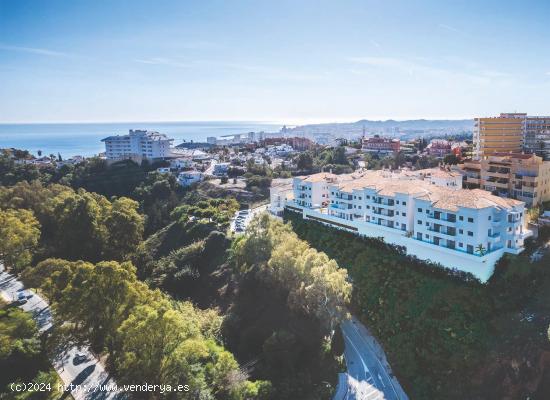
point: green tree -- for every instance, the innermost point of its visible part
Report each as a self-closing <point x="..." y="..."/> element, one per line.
<point x="19" y="234"/>
<point x="304" y="161"/>
<point x="124" y="226"/>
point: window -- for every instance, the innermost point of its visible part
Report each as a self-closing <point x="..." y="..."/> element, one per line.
<point x="460" y="231"/>
<point x="404" y="203"/>
<point x="461" y="218"/>
<point x="489" y="218"/>
<point x="359" y="197"/>
<point x="404" y="214"/>
<point x="427" y="223"/>
<point x="419" y="210"/>
<point x="427" y="236"/>
<point x="427" y="211"/>
<point x="470" y="233"/>
<point x="470" y="219"/>
<point x="368" y="197"/>
<point x="368" y="207"/>
<point x="419" y="222"/>
<point x="460" y="244"/>
<point x="359" y="207"/>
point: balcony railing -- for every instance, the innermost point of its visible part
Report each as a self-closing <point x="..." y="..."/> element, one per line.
<point x="385" y="202"/>
<point x="441" y="217"/>
<point x="448" y="232"/>
<point x="381" y="211"/>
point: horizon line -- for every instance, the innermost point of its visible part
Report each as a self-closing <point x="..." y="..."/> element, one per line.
<point x="291" y="121"/>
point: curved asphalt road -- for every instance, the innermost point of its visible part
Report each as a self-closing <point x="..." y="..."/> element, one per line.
<point x="368" y="375"/>
<point x="89" y="373"/>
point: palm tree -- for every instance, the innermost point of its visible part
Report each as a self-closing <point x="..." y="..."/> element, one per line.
<point x="481" y="250"/>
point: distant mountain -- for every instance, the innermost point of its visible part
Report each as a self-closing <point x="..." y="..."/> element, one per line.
<point x="403" y="129"/>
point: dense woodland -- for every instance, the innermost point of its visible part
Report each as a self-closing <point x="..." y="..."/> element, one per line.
<point x="446" y="335"/>
<point x="146" y="264"/>
<point x="149" y="265"/>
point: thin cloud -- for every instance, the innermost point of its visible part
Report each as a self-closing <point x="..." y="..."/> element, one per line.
<point x="449" y="28"/>
<point x="164" y="61"/>
<point x="34" y="50"/>
<point x="374" y="43"/>
<point x="411" y="68"/>
<point x="548" y="73"/>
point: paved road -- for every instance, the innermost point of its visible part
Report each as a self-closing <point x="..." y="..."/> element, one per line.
<point x="369" y="376"/>
<point x="89" y="373"/>
<point x="252" y="212"/>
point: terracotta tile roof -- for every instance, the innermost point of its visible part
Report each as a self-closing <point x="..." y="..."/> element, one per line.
<point x="388" y="184"/>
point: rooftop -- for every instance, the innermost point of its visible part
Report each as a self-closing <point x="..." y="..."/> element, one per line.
<point x="386" y="183"/>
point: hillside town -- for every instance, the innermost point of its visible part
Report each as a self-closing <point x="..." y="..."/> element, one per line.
<point x="454" y="203"/>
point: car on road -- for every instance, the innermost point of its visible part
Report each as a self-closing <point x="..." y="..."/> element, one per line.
<point x="21" y="298"/>
<point x="80" y="357"/>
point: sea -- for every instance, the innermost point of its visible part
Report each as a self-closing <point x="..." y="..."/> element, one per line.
<point x="70" y="139"/>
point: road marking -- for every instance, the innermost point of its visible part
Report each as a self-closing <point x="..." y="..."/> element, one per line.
<point x="353" y="324"/>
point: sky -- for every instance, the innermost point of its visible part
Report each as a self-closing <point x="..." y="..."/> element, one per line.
<point x="283" y="61"/>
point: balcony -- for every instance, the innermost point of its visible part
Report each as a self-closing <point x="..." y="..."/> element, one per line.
<point x="340" y="206"/>
<point x="384" y="202"/>
<point x="447" y="232"/>
<point x="440" y="217"/>
<point x="382" y="211"/>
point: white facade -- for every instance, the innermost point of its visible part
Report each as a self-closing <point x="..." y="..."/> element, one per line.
<point x="464" y="229"/>
<point x="138" y="144"/>
<point x="189" y="177"/>
<point x="221" y="168"/>
<point x="280" y="193"/>
<point x="442" y="177"/>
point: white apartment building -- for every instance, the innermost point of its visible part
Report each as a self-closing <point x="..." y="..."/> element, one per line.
<point x="138" y="144"/>
<point x="280" y="192"/>
<point x="468" y="230"/>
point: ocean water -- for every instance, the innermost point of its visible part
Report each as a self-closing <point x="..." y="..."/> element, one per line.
<point x="85" y="139"/>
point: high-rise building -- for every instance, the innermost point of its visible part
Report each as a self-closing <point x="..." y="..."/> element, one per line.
<point x="503" y="134"/>
<point x="537" y="136"/>
<point x="512" y="133"/>
<point x="138" y="144"/>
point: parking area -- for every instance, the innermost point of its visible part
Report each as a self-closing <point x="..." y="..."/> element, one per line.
<point x="243" y="217"/>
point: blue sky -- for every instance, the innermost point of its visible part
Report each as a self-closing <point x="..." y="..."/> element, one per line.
<point x="284" y="61"/>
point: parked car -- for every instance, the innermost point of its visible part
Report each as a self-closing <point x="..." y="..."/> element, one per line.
<point x="21" y="298"/>
<point x="80" y="357"/>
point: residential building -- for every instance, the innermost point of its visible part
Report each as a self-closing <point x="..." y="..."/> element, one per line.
<point x="280" y="192"/>
<point x="221" y="169"/>
<point x="182" y="162"/>
<point x="499" y="134"/>
<point x="537" y="136"/>
<point x="377" y="144"/>
<point x="443" y="177"/>
<point x="312" y="191"/>
<point x="441" y="147"/>
<point x="467" y="230"/>
<point x="525" y="177"/>
<point x="138" y="145"/>
<point x="187" y="178"/>
<point x="512" y="132"/>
